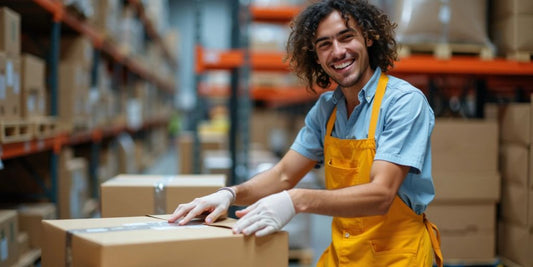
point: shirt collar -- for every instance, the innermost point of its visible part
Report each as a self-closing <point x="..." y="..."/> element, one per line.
<point x="368" y="92"/>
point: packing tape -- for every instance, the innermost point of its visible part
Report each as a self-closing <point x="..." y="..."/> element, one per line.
<point x="160" y="196"/>
<point x="159" y="225"/>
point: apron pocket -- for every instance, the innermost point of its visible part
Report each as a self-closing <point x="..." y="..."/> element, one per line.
<point x="395" y="251"/>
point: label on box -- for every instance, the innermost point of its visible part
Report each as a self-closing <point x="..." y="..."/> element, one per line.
<point x="16" y="83"/>
<point x="30" y="103"/>
<point x="4" y="249"/>
<point x="2" y="87"/>
<point x="10" y="80"/>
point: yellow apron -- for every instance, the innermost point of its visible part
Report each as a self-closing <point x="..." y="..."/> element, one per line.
<point x="401" y="237"/>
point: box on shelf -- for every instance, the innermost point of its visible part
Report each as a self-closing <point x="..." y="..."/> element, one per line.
<point x="515" y="163"/>
<point x="467" y="186"/>
<point x="9" y="88"/>
<point x="467" y="230"/>
<point x="151" y="241"/>
<point x="77" y="50"/>
<point x="512" y="34"/>
<point x="506" y="8"/>
<point x="465" y="145"/>
<point x="73" y="186"/>
<point x="30" y="216"/>
<point x="515" y="122"/>
<point x="73" y="95"/>
<point x="136" y="195"/>
<point x="9" y="32"/>
<point x="32" y="100"/>
<point x="8" y="238"/>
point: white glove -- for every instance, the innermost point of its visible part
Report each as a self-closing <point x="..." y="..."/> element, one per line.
<point x="266" y="216"/>
<point x="216" y="204"/>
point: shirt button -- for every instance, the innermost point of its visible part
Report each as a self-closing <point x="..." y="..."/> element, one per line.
<point x="368" y="98"/>
<point x="346" y="234"/>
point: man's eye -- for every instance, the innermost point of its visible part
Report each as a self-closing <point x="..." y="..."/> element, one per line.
<point x="322" y="44"/>
<point x="347" y="37"/>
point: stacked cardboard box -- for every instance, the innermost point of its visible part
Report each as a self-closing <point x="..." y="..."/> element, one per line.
<point x="9" y="65"/>
<point x="467" y="185"/>
<point x="151" y="241"/>
<point x="33" y="93"/>
<point x="8" y="238"/>
<point x="510" y="31"/>
<point x="73" y="186"/>
<point x="136" y="195"/>
<point x="74" y="82"/>
<point x="515" y="233"/>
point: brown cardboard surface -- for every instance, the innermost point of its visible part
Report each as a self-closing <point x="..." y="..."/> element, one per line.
<point x="514" y="205"/>
<point x="73" y="90"/>
<point x="185" y="152"/>
<point x="73" y="187"/>
<point x="514" y="162"/>
<point x="8" y="238"/>
<point x="32" y="101"/>
<point x="515" y="123"/>
<point x="466" y="186"/>
<point x="9" y="87"/>
<point x="9" y="32"/>
<point x="30" y="217"/>
<point x="468" y="230"/>
<point x="506" y="8"/>
<point x="78" y="50"/>
<point x="465" y="145"/>
<point x="515" y="243"/>
<point x="513" y="34"/>
<point x="137" y="195"/>
<point x="157" y="243"/>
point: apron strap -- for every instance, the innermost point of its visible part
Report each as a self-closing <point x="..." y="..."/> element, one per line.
<point x="331" y="121"/>
<point x="434" y="235"/>
<point x="380" y="92"/>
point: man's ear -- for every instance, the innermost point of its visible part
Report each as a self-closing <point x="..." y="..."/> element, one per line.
<point x="369" y="42"/>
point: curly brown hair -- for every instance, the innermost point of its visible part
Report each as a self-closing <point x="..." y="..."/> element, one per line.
<point x="374" y="23"/>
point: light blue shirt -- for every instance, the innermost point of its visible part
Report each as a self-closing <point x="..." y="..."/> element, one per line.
<point x="403" y="132"/>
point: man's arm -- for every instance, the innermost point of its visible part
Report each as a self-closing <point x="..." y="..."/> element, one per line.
<point x="369" y="199"/>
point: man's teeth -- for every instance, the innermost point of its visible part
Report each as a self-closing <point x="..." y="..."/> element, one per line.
<point x="342" y="65"/>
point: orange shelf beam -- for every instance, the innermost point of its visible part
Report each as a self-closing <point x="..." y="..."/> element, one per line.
<point x="278" y="14"/>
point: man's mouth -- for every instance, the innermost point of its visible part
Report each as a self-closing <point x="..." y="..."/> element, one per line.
<point x="342" y="65"/>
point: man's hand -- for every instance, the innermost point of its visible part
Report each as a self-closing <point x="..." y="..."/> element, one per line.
<point x="266" y="216"/>
<point x="216" y="204"/>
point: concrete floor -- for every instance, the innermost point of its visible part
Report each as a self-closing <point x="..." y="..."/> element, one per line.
<point x="317" y="233"/>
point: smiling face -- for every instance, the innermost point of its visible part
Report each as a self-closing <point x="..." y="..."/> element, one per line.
<point x="342" y="51"/>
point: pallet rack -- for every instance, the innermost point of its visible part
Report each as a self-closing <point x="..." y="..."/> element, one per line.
<point x="123" y="64"/>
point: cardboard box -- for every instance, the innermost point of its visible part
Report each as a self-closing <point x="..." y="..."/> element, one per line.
<point x="467" y="230"/>
<point x="506" y="8"/>
<point x="465" y="146"/>
<point x="515" y="204"/>
<point x="32" y="79"/>
<point x="9" y="88"/>
<point x="8" y="238"/>
<point x="78" y="50"/>
<point x="149" y="241"/>
<point x="73" y="186"/>
<point x="73" y="92"/>
<point x="515" y="163"/>
<point x="515" y="243"/>
<point x="185" y="152"/>
<point x="466" y="186"/>
<point x="137" y="195"/>
<point x="9" y="32"/>
<point x="512" y="34"/>
<point x="515" y="123"/>
<point x="29" y="220"/>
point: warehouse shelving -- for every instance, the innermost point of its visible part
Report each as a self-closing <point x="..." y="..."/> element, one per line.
<point x="497" y="71"/>
<point x="56" y="14"/>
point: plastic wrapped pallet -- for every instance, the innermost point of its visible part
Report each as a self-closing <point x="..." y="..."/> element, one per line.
<point x="444" y="21"/>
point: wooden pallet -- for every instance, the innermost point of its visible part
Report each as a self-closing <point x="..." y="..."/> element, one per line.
<point x="15" y="131"/>
<point x="44" y="127"/>
<point x="446" y="50"/>
<point x="520" y="56"/>
<point x="303" y="256"/>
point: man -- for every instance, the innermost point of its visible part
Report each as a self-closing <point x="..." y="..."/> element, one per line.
<point x="372" y="134"/>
